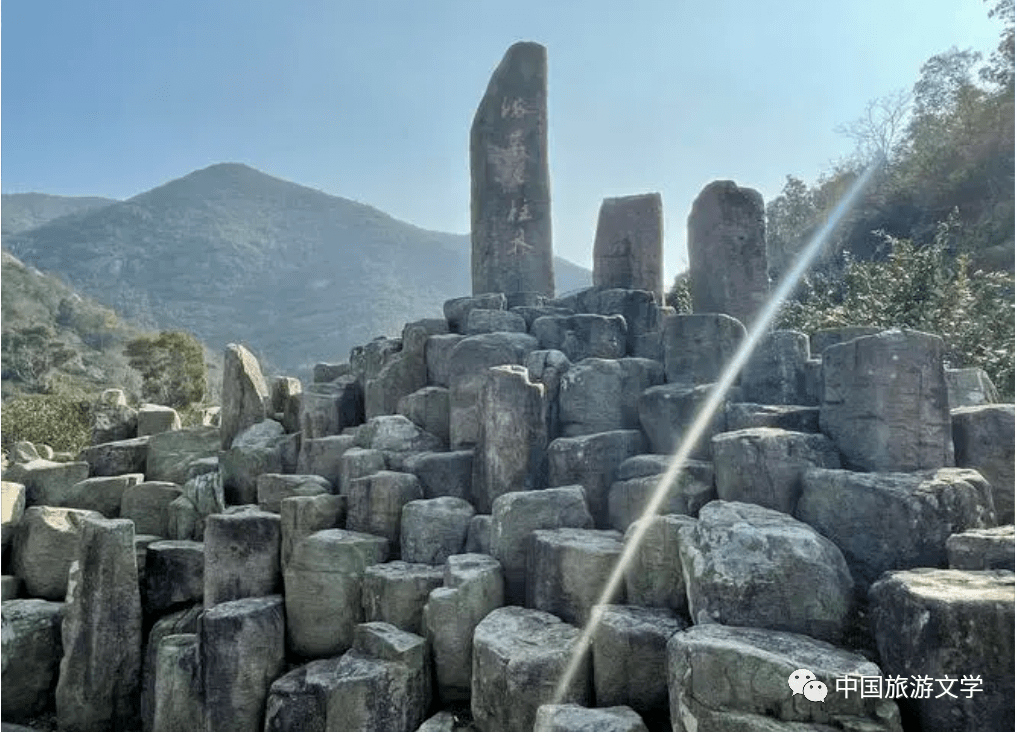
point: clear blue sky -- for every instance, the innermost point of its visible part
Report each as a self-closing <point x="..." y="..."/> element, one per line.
<point x="373" y="100"/>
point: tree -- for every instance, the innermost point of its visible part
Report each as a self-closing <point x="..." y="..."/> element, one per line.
<point x="172" y="368"/>
<point x="879" y="131"/>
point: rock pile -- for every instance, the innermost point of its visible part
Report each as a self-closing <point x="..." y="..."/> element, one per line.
<point x="416" y="540"/>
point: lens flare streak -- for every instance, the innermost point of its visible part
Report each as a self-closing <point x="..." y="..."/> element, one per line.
<point x="702" y="421"/>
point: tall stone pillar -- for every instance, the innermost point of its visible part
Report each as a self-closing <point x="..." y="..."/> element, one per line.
<point x="727" y="252"/>
<point x="629" y="247"/>
<point x="511" y="189"/>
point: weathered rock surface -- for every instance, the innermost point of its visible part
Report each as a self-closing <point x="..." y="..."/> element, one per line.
<point x="691" y="489"/>
<point x="983" y="439"/>
<point x="600" y="395"/>
<point x="885" y="402"/>
<point x="764" y="465"/>
<point x="667" y="413"/>
<point x="46" y="481"/>
<point x="298" y="700"/>
<point x="949" y="623"/>
<point x="518" y="656"/>
<point x="243" y="647"/>
<point x="457" y="310"/>
<point x="47" y="543"/>
<point x="111" y="419"/>
<point x="181" y="622"/>
<point x="301" y="516"/>
<point x="776" y="371"/>
<point x="156" y="418"/>
<point x="274" y="487"/>
<point x="101" y="494"/>
<point x="630" y="658"/>
<point x="592" y="461"/>
<point x="628" y="246"/>
<point x="174" y="575"/>
<point x="548" y="367"/>
<point x="473" y="587"/>
<point x="517" y="515"/>
<point x="698" y="346"/>
<point x="326" y="409"/>
<point x="172" y="454"/>
<point x="31" y="656"/>
<point x="575" y="718"/>
<point x="116" y="458"/>
<point x="396" y="592"/>
<point x="567" y="570"/>
<point x="584" y="335"/>
<point x="432" y="530"/>
<point x="727" y="251"/>
<point x="244" y="393"/>
<point x="254" y="451"/>
<point x="970" y="387"/>
<point x="752" y="566"/>
<point x="511" y="452"/>
<point x="324" y="583"/>
<point x="977" y="549"/>
<point x="511" y="189"/>
<point x="100" y="673"/>
<point x="886" y="521"/>
<point x="323" y="456"/>
<point x="147" y="505"/>
<point x="743" y="415"/>
<point x="725" y="678"/>
<point x="241" y="556"/>
<point x="428" y="408"/>
<point x="443" y="473"/>
<point x="177" y="691"/>
<point x="437" y="354"/>
<point x="654" y="578"/>
<point x="375" y="504"/>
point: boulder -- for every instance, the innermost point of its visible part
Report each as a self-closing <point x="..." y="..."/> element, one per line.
<point x="517" y="515"/>
<point x="724" y="678"/>
<point x="473" y="587"/>
<point x="691" y="489"/>
<point x="156" y="418"/>
<point x="585" y="335"/>
<point x="764" y="465"/>
<point x="576" y="718"/>
<point x="403" y="374"/>
<point x="174" y="575"/>
<point x="748" y="565"/>
<point x="383" y="683"/>
<point x="358" y="462"/>
<point x="301" y="516"/>
<point x="274" y="487"/>
<point x="324" y="583"/>
<point x="644" y="318"/>
<point x="46" y="544"/>
<point x="101" y="494"/>
<point x="493" y="321"/>
<point x="325" y="372"/>
<point x="45" y="481"/>
<point x="443" y="473"/>
<point x="983" y="439"/>
<point x="428" y="409"/>
<point x="548" y="367"/>
<point x="367" y="360"/>
<point x="111" y="419"/>
<point x="32" y="650"/>
<point x="323" y="456"/>
<point x="667" y="413"/>
<point x="100" y="673"/>
<point x="970" y="387"/>
<point x="946" y="624"/>
<point x="512" y="438"/>
<point x="256" y="450"/>
<point x="654" y="577"/>
<point x="396" y="433"/>
<point x="438" y="354"/>
<point x="776" y="371"/>
<point x="147" y="505"/>
<point x="826" y="337"/>
<point x="432" y="530"/>
<point x="628" y="246"/>
<point x="978" y="549"/>
<point x="172" y="454"/>
<point x="298" y="700"/>
<point x="457" y="310"/>
<point x="568" y="569"/>
<point x="518" y="657"/>
<point x="912" y="514"/>
<point x="177" y="698"/>
<point x="243" y="647"/>
<point x="742" y="415"/>
<point x="181" y="622"/>
<point x="326" y="409"/>
<point x="244" y="393"/>
<point x="241" y="556"/>
<point x="630" y="658"/>
<point x="12" y="505"/>
<point x="286" y="399"/>
<point x="478" y="535"/>
<point x="698" y="346"/>
<point x="600" y="395"/>
<point x="116" y="458"/>
<point x="395" y="593"/>
<point x="468" y="364"/>
<point x="885" y="402"/>
<point x="592" y="461"/>
<point x="375" y="504"/>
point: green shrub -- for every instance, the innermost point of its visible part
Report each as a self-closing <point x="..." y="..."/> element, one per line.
<point x="922" y="288"/>
<point x="58" y="421"/>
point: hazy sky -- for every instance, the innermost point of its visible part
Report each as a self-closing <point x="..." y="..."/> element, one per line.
<point x="373" y="100"/>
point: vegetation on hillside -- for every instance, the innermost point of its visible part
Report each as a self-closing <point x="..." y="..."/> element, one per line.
<point x="930" y="246"/>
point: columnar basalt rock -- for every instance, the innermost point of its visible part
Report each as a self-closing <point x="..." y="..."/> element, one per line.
<point x="326" y="409"/>
<point x="946" y="623"/>
<point x="885" y="402"/>
<point x="983" y="439"/>
<point x="697" y="347"/>
<point x="301" y="516"/>
<point x="324" y="584"/>
<point x="511" y="450"/>
<point x="31" y="656"/>
<point x="567" y="569"/>
<point x="243" y="648"/>
<point x="156" y="418"/>
<point x="628" y="247"/>
<point x="727" y="251"/>
<point x="100" y="673"/>
<point x="654" y="577"/>
<point x="375" y="504"/>
<point x="576" y="718"/>
<point x="298" y="700"/>
<point x="241" y="556"/>
<point x="244" y="393"/>
<point x="977" y="549"/>
<point x="396" y="592"/>
<point x="776" y="371"/>
<point x="46" y="545"/>
<point x="518" y="656"/>
<point x="177" y="691"/>
<point x="691" y="489"/>
<point x="109" y="459"/>
<point x="285" y="407"/>
<point x="511" y="189"/>
<point x="435" y="529"/>
<point x="473" y="587"/>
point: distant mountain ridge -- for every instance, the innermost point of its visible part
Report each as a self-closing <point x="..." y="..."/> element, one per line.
<point x="23" y="211"/>
<point x="232" y="254"/>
